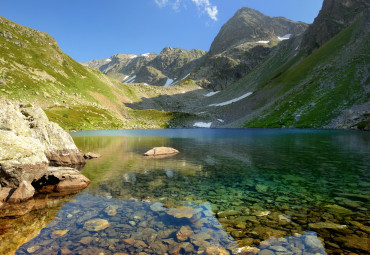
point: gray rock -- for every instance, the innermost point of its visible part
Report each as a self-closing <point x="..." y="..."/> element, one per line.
<point x="313" y="243"/>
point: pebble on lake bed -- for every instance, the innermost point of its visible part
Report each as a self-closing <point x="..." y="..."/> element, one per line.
<point x="96" y="225"/>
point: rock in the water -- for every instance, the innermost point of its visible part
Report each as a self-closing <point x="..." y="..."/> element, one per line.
<point x="354" y="242"/>
<point x="313" y="243"/>
<point x="182" y="212"/>
<point x="24" y="192"/>
<point x="157" y="207"/>
<point x="58" y="233"/>
<point x="29" y="143"/>
<point x="91" y="155"/>
<point x="336" y="209"/>
<point x="216" y="250"/>
<point x="161" y="151"/>
<point x="326" y="225"/>
<point x="263" y="189"/>
<point x="184" y="233"/>
<point x="96" y="225"/>
<point x="111" y="210"/>
<point x="62" y="179"/>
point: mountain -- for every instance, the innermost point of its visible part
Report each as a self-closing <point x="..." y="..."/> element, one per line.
<point x="334" y="16"/>
<point x="242" y="43"/>
<point x="298" y="86"/>
<point x="294" y="85"/>
<point x="34" y="70"/>
<point x="167" y="68"/>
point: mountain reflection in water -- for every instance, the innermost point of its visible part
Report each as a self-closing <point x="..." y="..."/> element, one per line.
<point x="228" y="191"/>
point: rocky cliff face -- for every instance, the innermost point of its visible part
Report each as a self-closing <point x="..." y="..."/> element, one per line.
<point x="334" y="16"/>
<point x="171" y="65"/>
<point x="29" y="145"/>
<point x="242" y="43"/>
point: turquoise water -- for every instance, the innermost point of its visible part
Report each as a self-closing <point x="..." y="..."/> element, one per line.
<point x="227" y="192"/>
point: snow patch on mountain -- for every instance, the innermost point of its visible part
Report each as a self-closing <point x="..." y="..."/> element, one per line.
<point x="168" y="82"/>
<point x="131" y="80"/>
<point x="233" y="100"/>
<point x="202" y="124"/>
<point x="211" y="93"/>
<point x="285" y="37"/>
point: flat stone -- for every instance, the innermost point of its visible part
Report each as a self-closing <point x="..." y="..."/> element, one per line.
<point x="326" y="225"/>
<point x="157" y="207"/>
<point x="225" y="214"/>
<point x="33" y="249"/>
<point x="184" y="233"/>
<point x="91" y="155"/>
<point x="96" y="225"/>
<point x="58" y="233"/>
<point x="354" y="242"/>
<point x="266" y="252"/>
<point x="181" y="212"/>
<point x="336" y="209"/>
<point x="161" y="151"/>
<point x="216" y="250"/>
<point x="361" y="226"/>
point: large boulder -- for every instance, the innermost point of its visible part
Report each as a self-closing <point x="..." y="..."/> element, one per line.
<point x="59" y="146"/>
<point x="62" y="179"/>
<point x="21" y="158"/>
<point x="29" y="144"/>
<point x="161" y="151"/>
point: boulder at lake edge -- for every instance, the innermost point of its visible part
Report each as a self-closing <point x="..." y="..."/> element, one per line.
<point x="30" y="143"/>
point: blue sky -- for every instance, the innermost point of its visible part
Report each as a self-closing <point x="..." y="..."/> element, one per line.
<point x="95" y="29"/>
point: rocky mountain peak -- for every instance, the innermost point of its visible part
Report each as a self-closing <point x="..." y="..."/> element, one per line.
<point x="249" y="25"/>
<point x="334" y="16"/>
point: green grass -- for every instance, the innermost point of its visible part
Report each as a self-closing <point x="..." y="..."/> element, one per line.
<point x="315" y="90"/>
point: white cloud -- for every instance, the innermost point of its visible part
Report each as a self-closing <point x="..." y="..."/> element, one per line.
<point x="161" y="3"/>
<point x="204" y="6"/>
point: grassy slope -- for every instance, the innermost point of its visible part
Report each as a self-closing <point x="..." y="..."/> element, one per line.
<point x="318" y="88"/>
<point x="34" y="70"/>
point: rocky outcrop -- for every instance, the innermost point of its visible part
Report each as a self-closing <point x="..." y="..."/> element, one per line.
<point x="161" y="151"/>
<point x="242" y="43"/>
<point x="334" y="16"/>
<point x="61" y="179"/>
<point x="172" y="64"/>
<point x="29" y="144"/>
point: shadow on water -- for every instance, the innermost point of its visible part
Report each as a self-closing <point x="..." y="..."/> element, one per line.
<point x="236" y="191"/>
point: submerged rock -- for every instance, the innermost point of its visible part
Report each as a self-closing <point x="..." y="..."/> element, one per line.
<point x="96" y="225"/>
<point x="157" y="207"/>
<point x="161" y="151"/>
<point x="184" y="233"/>
<point x="182" y="212"/>
<point x="326" y="225"/>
